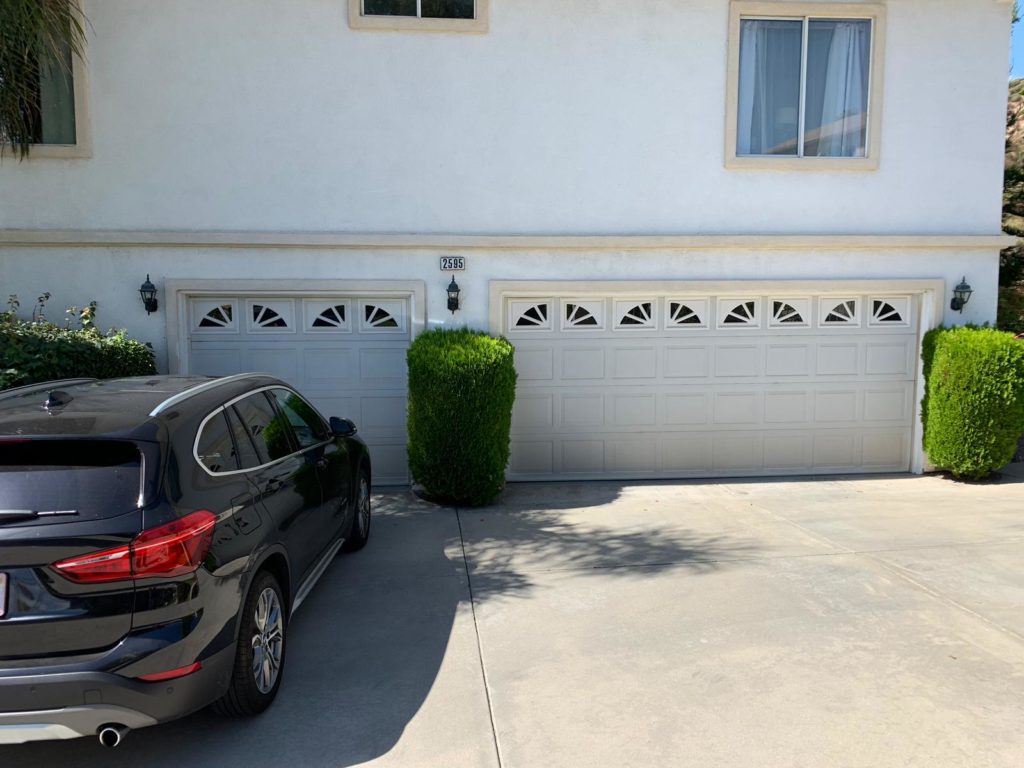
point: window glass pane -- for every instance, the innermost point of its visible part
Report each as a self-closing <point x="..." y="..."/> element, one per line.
<point x="309" y="428"/>
<point x="246" y="455"/>
<point x="215" y="449"/>
<point x="838" y="72"/>
<point x="447" y="9"/>
<point x="57" y="100"/>
<point x="769" y="87"/>
<point x="389" y="7"/>
<point x="269" y="430"/>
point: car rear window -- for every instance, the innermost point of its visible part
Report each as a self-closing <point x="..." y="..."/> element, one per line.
<point x="67" y="480"/>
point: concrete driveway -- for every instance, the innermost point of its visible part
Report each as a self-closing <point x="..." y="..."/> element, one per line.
<point x="856" y="622"/>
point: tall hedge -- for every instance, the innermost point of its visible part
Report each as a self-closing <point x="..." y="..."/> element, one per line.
<point x="973" y="408"/>
<point x="40" y="351"/>
<point x="461" y="388"/>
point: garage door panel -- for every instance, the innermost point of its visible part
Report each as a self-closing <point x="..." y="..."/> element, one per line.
<point x="214" y="360"/>
<point x="535" y="364"/>
<point x="888" y="405"/>
<point x="746" y="385"/>
<point x="382" y="367"/>
<point x="634" y="362"/>
<point x="687" y="455"/>
<point x="689" y="362"/>
<point x="583" y="456"/>
<point x="583" y="363"/>
<point x="686" y="408"/>
<point x="738" y="408"/>
<point x="329" y="367"/>
<point x="581" y="410"/>
<point x="891" y="358"/>
<point x="788" y="360"/>
<point x="787" y="451"/>
<point x="787" y="407"/>
<point x="737" y="360"/>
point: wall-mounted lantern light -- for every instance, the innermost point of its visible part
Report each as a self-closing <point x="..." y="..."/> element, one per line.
<point x="148" y="293"/>
<point x="453" y="295"/>
<point x="961" y="295"/>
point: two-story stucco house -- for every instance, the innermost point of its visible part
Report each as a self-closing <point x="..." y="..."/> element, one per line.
<point x="715" y="231"/>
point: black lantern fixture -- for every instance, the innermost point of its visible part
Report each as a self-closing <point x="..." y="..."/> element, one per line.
<point x="453" y="295"/>
<point x="961" y="295"/>
<point x="148" y="293"/>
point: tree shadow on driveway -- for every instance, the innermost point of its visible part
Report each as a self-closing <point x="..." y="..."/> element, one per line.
<point x="368" y="648"/>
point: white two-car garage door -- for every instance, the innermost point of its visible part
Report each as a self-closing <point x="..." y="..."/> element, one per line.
<point x="346" y="353"/>
<point x="627" y="385"/>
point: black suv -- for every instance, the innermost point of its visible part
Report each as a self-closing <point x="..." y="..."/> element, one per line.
<point x="156" y="534"/>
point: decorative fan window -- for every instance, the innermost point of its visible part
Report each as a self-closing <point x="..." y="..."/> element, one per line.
<point x="586" y="316"/>
<point x="790" y="313"/>
<point x="634" y="315"/>
<point x="214" y="315"/>
<point x="378" y="317"/>
<point x="839" y="312"/>
<point x="686" y="313"/>
<point x="328" y="316"/>
<point x="267" y="317"/>
<point x="221" y="316"/>
<point x="738" y="314"/>
<point x="890" y="311"/>
<point x="381" y="315"/>
<point x="530" y="316"/>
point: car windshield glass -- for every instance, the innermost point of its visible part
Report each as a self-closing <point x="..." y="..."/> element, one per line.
<point x="67" y="480"/>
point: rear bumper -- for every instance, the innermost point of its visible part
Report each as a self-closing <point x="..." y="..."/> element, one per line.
<point x="66" y="705"/>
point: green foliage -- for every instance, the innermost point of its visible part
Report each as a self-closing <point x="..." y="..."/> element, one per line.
<point x="38" y="350"/>
<point x="35" y="37"/>
<point x="462" y="385"/>
<point x="973" y="408"/>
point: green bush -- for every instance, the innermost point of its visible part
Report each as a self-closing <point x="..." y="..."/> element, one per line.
<point x="38" y="350"/>
<point x="973" y="408"/>
<point x="462" y="385"/>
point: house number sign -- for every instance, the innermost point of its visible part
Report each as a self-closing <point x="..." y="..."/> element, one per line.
<point x="453" y="263"/>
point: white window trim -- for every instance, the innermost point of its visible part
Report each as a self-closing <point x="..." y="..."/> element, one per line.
<point x="478" y="25"/>
<point x="739" y="9"/>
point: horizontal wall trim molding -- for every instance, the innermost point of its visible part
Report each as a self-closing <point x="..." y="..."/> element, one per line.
<point x="84" y="238"/>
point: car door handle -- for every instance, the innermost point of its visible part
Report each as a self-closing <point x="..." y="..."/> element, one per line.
<point x="272" y="486"/>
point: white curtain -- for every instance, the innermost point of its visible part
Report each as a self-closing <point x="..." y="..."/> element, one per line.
<point x="769" y="87"/>
<point x="838" y="65"/>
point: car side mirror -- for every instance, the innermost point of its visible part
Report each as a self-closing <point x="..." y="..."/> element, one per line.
<point x="342" y="427"/>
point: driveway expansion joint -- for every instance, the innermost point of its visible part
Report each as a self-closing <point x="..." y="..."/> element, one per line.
<point x="479" y="643"/>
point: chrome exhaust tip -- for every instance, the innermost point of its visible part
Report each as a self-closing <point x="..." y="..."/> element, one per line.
<point x="112" y="734"/>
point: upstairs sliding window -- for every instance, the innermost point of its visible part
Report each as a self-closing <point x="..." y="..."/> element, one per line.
<point x="419" y="15"/>
<point x="804" y="88"/>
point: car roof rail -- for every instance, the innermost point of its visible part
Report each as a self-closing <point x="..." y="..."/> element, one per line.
<point x="199" y="389"/>
<point x="42" y="386"/>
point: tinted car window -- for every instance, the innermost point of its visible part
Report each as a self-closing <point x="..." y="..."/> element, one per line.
<point x="245" y="450"/>
<point x="215" y="448"/>
<point x="88" y="479"/>
<point x="306" y="423"/>
<point x="269" y="430"/>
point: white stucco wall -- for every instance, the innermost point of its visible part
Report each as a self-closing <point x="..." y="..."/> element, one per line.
<point x="569" y="116"/>
<point x="112" y="275"/>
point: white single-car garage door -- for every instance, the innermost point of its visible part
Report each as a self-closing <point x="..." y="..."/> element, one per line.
<point x="628" y="385"/>
<point x="346" y="353"/>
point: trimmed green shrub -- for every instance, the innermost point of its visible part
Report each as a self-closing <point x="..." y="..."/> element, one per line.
<point x="973" y="408"/>
<point x="38" y="350"/>
<point x="462" y="385"/>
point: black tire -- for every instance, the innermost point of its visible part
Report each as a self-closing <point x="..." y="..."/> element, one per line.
<point x="246" y="696"/>
<point x="359" y="530"/>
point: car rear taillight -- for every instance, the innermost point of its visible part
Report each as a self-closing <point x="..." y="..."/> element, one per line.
<point x="173" y="549"/>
